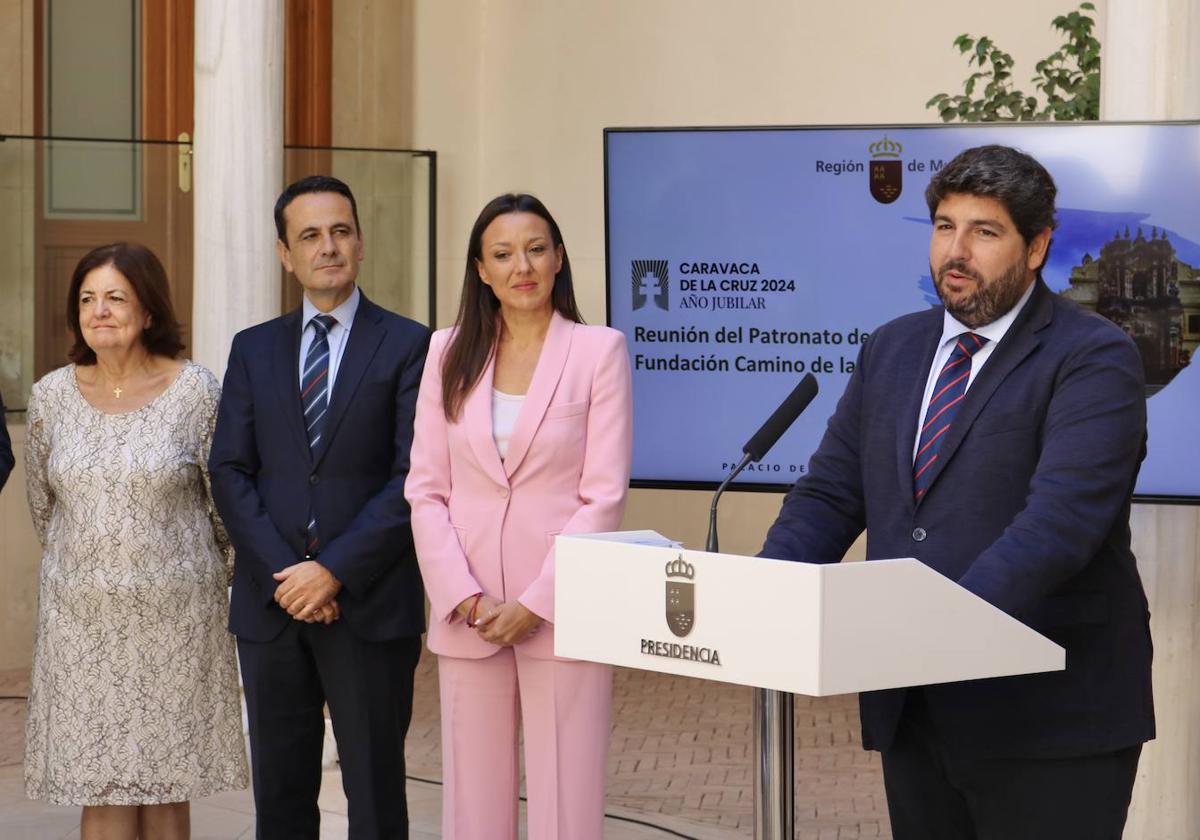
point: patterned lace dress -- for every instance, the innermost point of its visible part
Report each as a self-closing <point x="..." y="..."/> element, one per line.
<point x="134" y="695"/>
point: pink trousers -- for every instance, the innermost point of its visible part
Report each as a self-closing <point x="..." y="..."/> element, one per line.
<point x="565" y="710"/>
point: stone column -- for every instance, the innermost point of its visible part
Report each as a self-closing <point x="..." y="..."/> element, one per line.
<point x="237" y="170"/>
<point x="1151" y="71"/>
<point x="1151" y="64"/>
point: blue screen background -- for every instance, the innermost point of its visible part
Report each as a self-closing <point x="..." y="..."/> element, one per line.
<point x="755" y="196"/>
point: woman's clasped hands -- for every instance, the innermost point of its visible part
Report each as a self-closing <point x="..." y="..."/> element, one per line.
<point x="504" y="623"/>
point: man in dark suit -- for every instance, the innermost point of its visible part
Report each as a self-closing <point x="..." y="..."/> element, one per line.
<point x="308" y="465"/>
<point x="997" y="439"/>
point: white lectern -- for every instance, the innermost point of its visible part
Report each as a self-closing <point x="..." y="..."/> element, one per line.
<point x="793" y="627"/>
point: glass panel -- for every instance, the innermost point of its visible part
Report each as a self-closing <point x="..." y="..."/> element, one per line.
<point x="92" y="181"/>
<point x="17" y="215"/>
<point x="393" y="191"/>
<point x="92" y="86"/>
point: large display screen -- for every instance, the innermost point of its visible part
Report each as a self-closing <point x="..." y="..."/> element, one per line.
<point x="741" y="259"/>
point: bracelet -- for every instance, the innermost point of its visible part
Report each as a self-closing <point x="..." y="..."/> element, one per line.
<point x="471" y="612"/>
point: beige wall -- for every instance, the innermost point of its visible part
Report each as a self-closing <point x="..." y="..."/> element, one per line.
<point x="20" y="554"/>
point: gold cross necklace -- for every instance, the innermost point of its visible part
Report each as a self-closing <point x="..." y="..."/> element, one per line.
<point x="118" y="389"/>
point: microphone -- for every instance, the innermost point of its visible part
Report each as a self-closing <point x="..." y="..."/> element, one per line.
<point x="762" y="441"/>
<point x="782" y="419"/>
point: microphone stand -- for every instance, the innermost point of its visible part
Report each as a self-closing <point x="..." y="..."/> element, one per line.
<point x="711" y="543"/>
<point x="773" y="731"/>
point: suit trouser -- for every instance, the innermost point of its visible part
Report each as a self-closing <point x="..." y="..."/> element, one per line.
<point x="565" y="710"/>
<point x="933" y="795"/>
<point x="368" y="686"/>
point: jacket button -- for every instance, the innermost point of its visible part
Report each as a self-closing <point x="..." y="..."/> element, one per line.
<point x="314" y="479"/>
<point x="503" y="492"/>
<point x="919" y="534"/>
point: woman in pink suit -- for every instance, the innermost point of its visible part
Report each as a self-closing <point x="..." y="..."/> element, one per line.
<point x="523" y="431"/>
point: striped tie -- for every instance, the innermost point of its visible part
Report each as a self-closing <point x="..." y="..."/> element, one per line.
<point x="948" y="393"/>
<point x="314" y="396"/>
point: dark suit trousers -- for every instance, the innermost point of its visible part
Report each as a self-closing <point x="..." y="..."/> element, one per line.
<point x="935" y="796"/>
<point x="368" y="686"/>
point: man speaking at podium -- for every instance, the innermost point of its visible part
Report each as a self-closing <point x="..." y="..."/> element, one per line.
<point x="997" y="439"/>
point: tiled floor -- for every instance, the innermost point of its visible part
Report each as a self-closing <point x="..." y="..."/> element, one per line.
<point x="680" y="760"/>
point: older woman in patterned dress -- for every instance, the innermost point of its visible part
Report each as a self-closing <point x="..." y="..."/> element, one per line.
<point x="133" y="707"/>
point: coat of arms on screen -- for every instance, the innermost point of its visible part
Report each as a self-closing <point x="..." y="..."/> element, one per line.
<point x="650" y="284"/>
<point x="886" y="170"/>
<point x="681" y="596"/>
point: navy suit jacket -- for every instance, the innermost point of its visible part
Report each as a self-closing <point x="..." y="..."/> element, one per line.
<point x="1029" y="509"/>
<point x="6" y="454"/>
<point x="265" y="480"/>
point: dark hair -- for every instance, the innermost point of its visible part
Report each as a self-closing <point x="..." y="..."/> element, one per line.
<point x="477" y="327"/>
<point x="311" y="184"/>
<point x="146" y="275"/>
<point x="1006" y="174"/>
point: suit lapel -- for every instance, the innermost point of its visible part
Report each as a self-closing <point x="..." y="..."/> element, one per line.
<point x="287" y="376"/>
<point x="908" y="404"/>
<point x="477" y="418"/>
<point x="1020" y="340"/>
<point x="546" y="375"/>
<point x="361" y="346"/>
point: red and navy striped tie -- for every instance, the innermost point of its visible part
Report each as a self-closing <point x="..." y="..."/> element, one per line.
<point x="314" y="397"/>
<point x="948" y="393"/>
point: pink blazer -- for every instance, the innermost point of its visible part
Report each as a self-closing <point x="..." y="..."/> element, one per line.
<point x="486" y="525"/>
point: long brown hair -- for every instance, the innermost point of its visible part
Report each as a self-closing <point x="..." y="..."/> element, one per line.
<point x="477" y="326"/>
<point x="146" y="275"/>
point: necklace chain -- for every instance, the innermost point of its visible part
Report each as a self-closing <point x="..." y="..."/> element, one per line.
<point x="118" y="389"/>
<point x="142" y="368"/>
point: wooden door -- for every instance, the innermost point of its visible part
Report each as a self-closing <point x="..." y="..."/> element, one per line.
<point x="159" y="212"/>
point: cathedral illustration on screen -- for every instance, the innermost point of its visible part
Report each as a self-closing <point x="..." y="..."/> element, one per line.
<point x="1140" y="285"/>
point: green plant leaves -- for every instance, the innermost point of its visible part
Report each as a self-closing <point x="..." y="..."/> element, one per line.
<point x="1069" y="78"/>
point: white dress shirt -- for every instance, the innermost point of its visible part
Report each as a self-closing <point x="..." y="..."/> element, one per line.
<point x="952" y="328"/>
<point x="339" y="333"/>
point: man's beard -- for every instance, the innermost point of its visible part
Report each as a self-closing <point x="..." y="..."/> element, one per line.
<point x="993" y="296"/>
